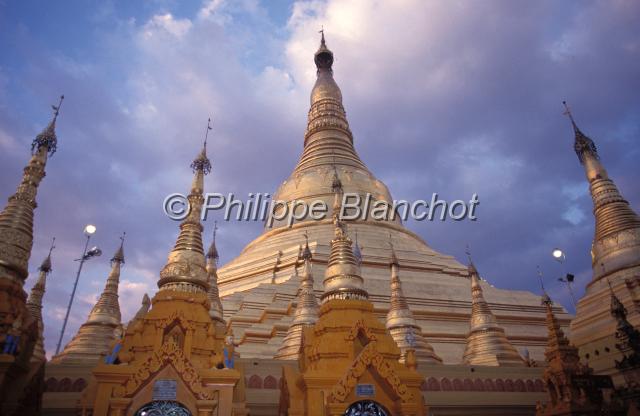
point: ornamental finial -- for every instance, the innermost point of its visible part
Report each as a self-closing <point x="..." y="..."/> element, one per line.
<point x="470" y="267"/>
<point x="202" y="162"/>
<point x="394" y="258"/>
<point x="582" y="145"/>
<point x="306" y="252"/>
<point x="206" y="134"/>
<point x="567" y="112"/>
<point x="46" y="263"/>
<point x="48" y="136"/>
<point x="546" y="300"/>
<point x="213" y="250"/>
<point x="119" y="255"/>
<point x="323" y="56"/>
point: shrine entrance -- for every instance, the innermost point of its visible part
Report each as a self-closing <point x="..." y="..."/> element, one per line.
<point x="164" y="408"/>
<point x="366" y="408"/>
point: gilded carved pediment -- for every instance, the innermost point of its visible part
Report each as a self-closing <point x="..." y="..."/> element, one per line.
<point x="171" y="354"/>
<point x="370" y="357"/>
<point x="360" y="327"/>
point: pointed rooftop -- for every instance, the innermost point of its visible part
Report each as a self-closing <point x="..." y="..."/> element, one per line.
<point x="215" y="310"/>
<point x="305" y="313"/>
<point x="342" y="279"/>
<point x="185" y="270"/>
<point x="97" y="333"/>
<point x="487" y="343"/>
<point x="16" y="219"/>
<point x="400" y="322"/>
<point x="615" y="220"/>
<point x="34" y="305"/>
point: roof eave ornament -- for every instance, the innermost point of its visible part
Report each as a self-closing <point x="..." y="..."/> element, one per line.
<point x="47" y="138"/>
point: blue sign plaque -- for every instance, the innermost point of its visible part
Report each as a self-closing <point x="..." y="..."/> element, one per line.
<point x="164" y="390"/>
<point x="365" y="390"/>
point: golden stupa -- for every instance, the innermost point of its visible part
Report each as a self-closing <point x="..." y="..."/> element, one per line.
<point x="260" y="311"/>
<point x="394" y="327"/>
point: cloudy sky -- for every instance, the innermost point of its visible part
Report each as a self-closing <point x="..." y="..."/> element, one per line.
<point x="453" y="97"/>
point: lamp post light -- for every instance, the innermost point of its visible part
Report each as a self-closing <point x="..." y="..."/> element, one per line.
<point x="89" y="230"/>
<point x="567" y="278"/>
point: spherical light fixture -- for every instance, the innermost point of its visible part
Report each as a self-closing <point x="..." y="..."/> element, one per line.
<point x="89" y="229"/>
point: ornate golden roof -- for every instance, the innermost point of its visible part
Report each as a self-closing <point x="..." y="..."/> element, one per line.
<point x="616" y="244"/>
<point x="401" y="324"/>
<point x="96" y="334"/>
<point x="487" y="343"/>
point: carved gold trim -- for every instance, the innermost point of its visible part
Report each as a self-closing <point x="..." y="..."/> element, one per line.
<point x="170" y="353"/>
<point x="370" y="357"/>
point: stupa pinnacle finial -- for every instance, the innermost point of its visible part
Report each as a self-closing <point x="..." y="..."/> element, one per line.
<point x="323" y="56"/>
<point x="306" y="251"/>
<point x="470" y="267"/>
<point x="546" y="300"/>
<point x="212" y="254"/>
<point x="48" y="136"/>
<point x="206" y="134"/>
<point x="583" y="145"/>
<point x="201" y="162"/>
<point x="394" y="258"/>
<point x="356" y="249"/>
<point x="46" y="263"/>
<point x="119" y="255"/>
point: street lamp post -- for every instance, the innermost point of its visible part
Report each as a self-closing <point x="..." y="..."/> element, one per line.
<point x="89" y="230"/>
<point x="567" y="278"/>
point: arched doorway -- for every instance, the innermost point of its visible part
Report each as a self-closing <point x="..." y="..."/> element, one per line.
<point x="366" y="408"/>
<point x="163" y="408"/>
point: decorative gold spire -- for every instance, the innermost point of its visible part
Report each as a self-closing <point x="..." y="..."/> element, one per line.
<point x="185" y="269"/>
<point x="342" y="277"/>
<point x="328" y="114"/>
<point x="401" y="324"/>
<point x="34" y="304"/>
<point x="487" y="343"/>
<point x="213" y="294"/>
<point x="96" y="335"/>
<point x="145" y="304"/>
<point x="305" y="314"/>
<point x="571" y="390"/>
<point x="616" y="244"/>
<point x="16" y="220"/>
<point x="328" y="149"/>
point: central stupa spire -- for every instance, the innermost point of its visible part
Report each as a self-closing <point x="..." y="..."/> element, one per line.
<point x="328" y="135"/>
